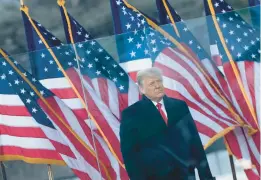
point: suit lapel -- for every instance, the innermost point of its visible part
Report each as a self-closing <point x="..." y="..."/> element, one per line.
<point x="169" y="109"/>
<point x="176" y="110"/>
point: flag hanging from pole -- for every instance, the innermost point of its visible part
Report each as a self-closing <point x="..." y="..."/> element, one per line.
<point x="55" y="119"/>
<point x="174" y="25"/>
<point x="237" y="45"/>
<point x="99" y="69"/>
<point x="110" y="81"/>
<point x="55" y="68"/>
<point x="21" y="136"/>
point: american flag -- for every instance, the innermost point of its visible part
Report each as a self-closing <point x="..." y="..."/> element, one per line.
<point x="242" y="44"/>
<point x="182" y="78"/>
<point x="55" y="120"/>
<point x="99" y="68"/>
<point x="21" y="136"/>
<point x="236" y="139"/>
<point x="238" y="45"/>
<point x="64" y="81"/>
<point x="178" y="28"/>
<point x="100" y="71"/>
<point x="131" y="41"/>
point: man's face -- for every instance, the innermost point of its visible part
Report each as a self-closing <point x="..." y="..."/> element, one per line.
<point x="153" y="88"/>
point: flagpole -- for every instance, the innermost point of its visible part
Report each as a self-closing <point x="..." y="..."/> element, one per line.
<point x="232" y="164"/>
<point x="50" y="172"/>
<point x="3" y="171"/>
<point x="25" y="10"/>
<point x="231" y="160"/>
<point x="49" y="107"/>
<point x="22" y="2"/>
<point x="171" y="18"/>
<point x="62" y="3"/>
<point x="233" y="65"/>
<point x="74" y="88"/>
<point x="85" y="99"/>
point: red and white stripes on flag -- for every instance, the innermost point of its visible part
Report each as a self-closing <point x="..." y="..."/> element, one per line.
<point x="183" y="80"/>
<point x="70" y="155"/>
<point x="249" y="72"/>
<point x="84" y="153"/>
<point x="216" y="57"/>
<point x="250" y="82"/>
<point x="111" y="96"/>
<point x="213" y="71"/>
<point x="242" y="147"/>
<point x="21" y="137"/>
<point x="105" y="125"/>
<point x="254" y="148"/>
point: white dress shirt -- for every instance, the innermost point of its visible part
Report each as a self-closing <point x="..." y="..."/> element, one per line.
<point x="162" y="107"/>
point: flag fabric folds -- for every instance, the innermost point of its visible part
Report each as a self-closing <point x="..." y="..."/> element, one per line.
<point x="174" y="25"/>
<point x="99" y="68"/>
<point x="112" y="84"/>
<point x="60" y="76"/>
<point x="237" y="46"/>
<point x="21" y="136"/>
<point x="54" y="118"/>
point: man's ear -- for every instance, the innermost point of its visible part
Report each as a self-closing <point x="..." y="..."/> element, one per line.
<point x="141" y="89"/>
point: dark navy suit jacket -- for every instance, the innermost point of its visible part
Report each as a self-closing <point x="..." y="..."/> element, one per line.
<point x="153" y="150"/>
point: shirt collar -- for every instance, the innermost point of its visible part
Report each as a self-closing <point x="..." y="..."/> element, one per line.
<point x="161" y="102"/>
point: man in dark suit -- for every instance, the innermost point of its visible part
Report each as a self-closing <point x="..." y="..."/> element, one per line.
<point x="159" y="139"/>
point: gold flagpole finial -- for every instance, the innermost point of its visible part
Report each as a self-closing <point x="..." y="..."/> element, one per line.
<point x="24" y="8"/>
<point x="61" y="2"/>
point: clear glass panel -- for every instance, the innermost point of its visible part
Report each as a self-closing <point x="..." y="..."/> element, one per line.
<point x="138" y="46"/>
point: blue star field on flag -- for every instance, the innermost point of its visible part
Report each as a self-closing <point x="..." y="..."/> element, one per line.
<point x="10" y="77"/>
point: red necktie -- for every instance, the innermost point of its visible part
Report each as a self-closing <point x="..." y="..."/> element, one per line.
<point x="162" y="113"/>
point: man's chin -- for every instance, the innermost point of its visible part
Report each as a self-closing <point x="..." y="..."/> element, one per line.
<point x="160" y="95"/>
